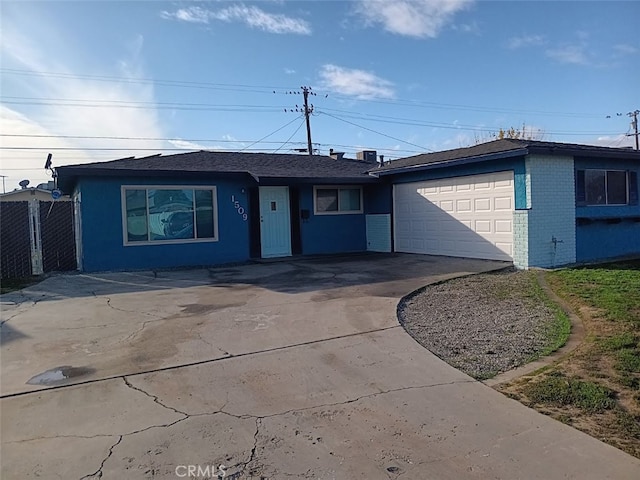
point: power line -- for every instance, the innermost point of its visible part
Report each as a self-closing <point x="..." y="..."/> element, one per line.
<point x="418" y="123"/>
<point x="267" y="136"/>
<point x="476" y="108"/>
<point x="379" y="133"/>
<point x="274" y="89"/>
<point x="292" y="135"/>
<point x="145" y="81"/>
<point x="98" y="137"/>
<point x="160" y="106"/>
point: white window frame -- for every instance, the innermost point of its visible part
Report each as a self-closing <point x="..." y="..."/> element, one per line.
<point x="123" y="214"/>
<point x="337" y="187"/>
<point x="606" y="187"/>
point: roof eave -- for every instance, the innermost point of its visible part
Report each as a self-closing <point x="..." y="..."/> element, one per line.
<point x="450" y="163"/>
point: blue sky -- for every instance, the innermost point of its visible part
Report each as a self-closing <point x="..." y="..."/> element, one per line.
<point x="401" y="77"/>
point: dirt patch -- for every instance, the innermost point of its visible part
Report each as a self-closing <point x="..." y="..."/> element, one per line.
<point x="490" y="323"/>
<point x="596" y="365"/>
<point x="482" y="324"/>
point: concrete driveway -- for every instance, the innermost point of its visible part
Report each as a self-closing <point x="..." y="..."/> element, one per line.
<point x="294" y="369"/>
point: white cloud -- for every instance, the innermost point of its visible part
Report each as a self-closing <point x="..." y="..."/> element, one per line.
<point x="18" y="165"/>
<point x="191" y="15"/>
<point x="571" y="54"/>
<point x="229" y="138"/>
<point x="353" y="82"/>
<point x="413" y="18"/>
<point x="617" y="141"/>
<point x="99" y="113"/>
<point x="289" y="71"/>
<point x="252" y="16"/>
<point x="192" y="145"/>
<point x="624" y="49"/>
<point x="515" y="43"/>
<point x="472" y="27"/>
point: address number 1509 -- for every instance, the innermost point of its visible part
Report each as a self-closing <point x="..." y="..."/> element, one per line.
<point x="239" y="208"/>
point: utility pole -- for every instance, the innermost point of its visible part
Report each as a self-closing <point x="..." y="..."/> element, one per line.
<point x="634" y="125"/>
<point x="308" y="110"/>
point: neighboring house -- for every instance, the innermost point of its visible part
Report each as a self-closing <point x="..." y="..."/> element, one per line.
<point x="31" y="193"/>
<point x="36" y="233"/>
<point x="542" y="204"/>
<point x="538" y="204"/>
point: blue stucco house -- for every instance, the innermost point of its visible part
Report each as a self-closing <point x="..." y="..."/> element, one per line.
<point x="537" y="204"/>
<point x="207" y="208"/>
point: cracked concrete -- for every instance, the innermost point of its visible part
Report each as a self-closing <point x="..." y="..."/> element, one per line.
<point x="294" y="369"/>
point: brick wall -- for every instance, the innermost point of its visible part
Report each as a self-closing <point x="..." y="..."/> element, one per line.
<point x="552" y="214"/>
<point x="521" y="239"/>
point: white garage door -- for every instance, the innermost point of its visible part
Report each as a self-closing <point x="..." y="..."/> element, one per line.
<point x="460" y="217"/>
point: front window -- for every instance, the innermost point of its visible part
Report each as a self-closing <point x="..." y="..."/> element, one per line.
<point x="602" y="187"/>
<point x="337" y="200"/>
<point x="169" y="214"/>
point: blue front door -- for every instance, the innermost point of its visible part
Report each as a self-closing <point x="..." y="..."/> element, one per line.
<point x="275" y="222"/>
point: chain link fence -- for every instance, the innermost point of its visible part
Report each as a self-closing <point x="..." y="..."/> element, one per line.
<point x="15" y="241"/>
<point x="57" y="236"/>
<point x="36" y="237"/>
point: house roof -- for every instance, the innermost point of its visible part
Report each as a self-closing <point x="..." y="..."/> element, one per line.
<point x="26" y="194"/>
<point x="500" y="149"/>
<point x="260" y="166"/>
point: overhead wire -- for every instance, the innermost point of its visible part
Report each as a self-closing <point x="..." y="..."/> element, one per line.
<point x="418" y="123"/>
<point x="267" y="136"/>
<point x="108" y="137"/>
<point x="292" y="135"/>
<point x="283" y="90"/>
<point x="145" y="81"/>
<point x="374" y="131"/>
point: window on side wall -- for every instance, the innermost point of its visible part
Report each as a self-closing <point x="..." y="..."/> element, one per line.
<point x="606" y="187"/>
<point x="167" y="214"/>
<point x="337" y="200"/>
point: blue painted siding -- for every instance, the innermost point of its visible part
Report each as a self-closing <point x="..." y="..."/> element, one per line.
<point x="600" y="240"/>
<point x="378" y="199"/>
<point x="610" y="230"/>
<point x="516" y="164"/>
<point x="330" y="233"/>
<point x="102" y="235"/>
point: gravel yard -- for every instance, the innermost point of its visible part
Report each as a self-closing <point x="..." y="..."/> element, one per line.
<point x="483" y="324"/>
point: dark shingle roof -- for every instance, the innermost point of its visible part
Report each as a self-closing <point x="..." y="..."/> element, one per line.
<point x="503" y="149"/>
<point x="258" y="165"/>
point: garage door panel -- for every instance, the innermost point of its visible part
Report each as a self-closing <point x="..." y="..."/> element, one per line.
<point x="463" y="205"/>
<point x="503" y="184"/>
<point x="503" y="203"/>
<point x="483" y="226"/>
<point x="482" y="205"/>
<point x="468" y="216"/>
<point x="480" y="186"/>
<point x="503" y="226"/>
<point x="447" y="205"/>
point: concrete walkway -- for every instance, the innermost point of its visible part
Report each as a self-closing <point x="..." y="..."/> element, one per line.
<point x="293" y="369"/>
